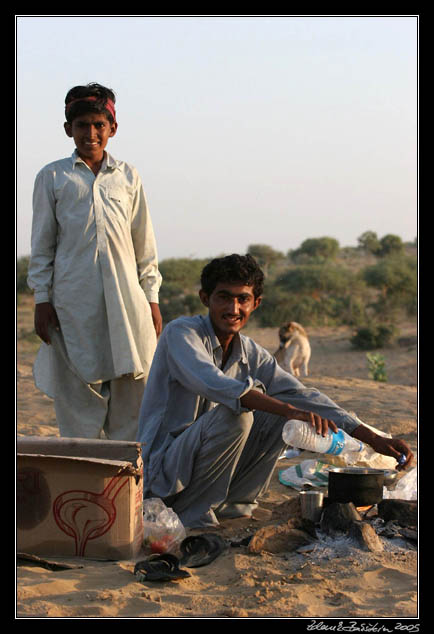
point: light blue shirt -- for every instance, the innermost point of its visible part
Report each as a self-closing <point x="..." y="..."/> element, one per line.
<point x="186" y="381"/>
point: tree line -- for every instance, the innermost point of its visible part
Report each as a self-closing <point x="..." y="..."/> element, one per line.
<point x="369" y="287"/>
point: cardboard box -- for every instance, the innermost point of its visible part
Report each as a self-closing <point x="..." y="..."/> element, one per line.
<point x="79" y="498"/>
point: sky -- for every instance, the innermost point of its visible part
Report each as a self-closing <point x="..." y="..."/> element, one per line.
<point x="244" y="129"/>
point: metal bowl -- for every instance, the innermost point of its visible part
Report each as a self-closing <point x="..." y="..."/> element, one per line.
<point x="390" y="476"/>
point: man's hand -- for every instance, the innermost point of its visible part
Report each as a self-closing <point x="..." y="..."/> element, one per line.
<point x="394" y="447"/>
<point x="156" y="318"/>
<point x="45" y="318"/>
<point x="322" y="425"/>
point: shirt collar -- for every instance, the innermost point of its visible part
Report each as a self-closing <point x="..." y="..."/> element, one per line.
<point x="108" y="162"/>
<point x="238" y="347"/>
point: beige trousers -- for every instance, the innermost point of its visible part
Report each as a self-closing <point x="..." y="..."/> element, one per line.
<point x="97" y="410"/>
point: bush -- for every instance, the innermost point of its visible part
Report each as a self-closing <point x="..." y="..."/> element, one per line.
<point x="265" y="256"/>
<point x="390" y="245"/>
<point x="323" y="295"/>
<point x="395" y="277"/>
<point x="377" y="367"/>
<point x="22" y="268"/>
<point x="374" y="336"/>
<point x="316" y="279"/>
<point x="183" y="271"/>
<point x="176" y="302"/>
<point x="369" y="242"/>
<point x="319" y="248"/>
<point x="279" y="305"/>
<point x="179" y="290"/>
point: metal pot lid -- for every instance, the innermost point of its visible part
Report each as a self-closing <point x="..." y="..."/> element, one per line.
<point x="356" y="471"/>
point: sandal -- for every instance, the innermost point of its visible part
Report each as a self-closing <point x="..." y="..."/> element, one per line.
<point x="200" y="550"/>
<point x="158" y="567"/>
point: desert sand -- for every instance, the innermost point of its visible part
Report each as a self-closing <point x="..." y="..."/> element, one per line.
<point x="335" y="580"/>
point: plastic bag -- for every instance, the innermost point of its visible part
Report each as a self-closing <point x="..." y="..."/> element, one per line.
<point x="368" y="458"/>
<point x="163" y="530"/>
<point x="307" y="473"/>
<point x="405" y="489"/>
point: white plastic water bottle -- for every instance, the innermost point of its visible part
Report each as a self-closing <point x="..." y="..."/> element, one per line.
<point x="302" y="435"/>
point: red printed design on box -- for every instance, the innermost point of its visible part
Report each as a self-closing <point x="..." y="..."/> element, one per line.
<point x="68" y="505"/>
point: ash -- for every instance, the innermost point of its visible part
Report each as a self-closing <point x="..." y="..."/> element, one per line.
<point x="340" y="545"/>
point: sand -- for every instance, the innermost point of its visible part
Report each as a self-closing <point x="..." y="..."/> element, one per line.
<point x="337" y="580"/>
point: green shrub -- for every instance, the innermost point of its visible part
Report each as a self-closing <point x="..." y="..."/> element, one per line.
<point x="395" y="278"/>
<point x="324" y="248"/>
<point x="22" y="267"/>
<point x="374" y="336"/>
<point x="183" y="271"/>
<point x="377" y="367"/>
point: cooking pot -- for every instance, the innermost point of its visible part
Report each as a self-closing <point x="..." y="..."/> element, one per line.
<point x="362" y="487"/>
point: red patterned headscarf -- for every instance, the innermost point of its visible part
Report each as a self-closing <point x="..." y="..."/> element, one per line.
<point x="110" y="106"/>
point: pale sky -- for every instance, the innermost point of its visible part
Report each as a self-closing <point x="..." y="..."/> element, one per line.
<point x="244" y="129"/>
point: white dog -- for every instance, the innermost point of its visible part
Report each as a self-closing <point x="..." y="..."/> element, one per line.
<point x="294" y="350"/>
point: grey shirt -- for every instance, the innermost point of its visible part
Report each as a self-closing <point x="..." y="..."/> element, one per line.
<point x="186" y="380"/>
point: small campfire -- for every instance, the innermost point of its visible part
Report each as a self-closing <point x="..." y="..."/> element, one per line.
<point x="367" y="528"/>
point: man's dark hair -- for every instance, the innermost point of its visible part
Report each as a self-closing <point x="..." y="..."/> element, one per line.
<point x="98" y="106"/>
<point x="234" y="269"/>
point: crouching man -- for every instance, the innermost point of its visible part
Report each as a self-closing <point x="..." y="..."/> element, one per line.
<point x="216" y="402"/>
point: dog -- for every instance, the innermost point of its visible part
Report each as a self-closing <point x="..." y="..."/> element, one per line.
<point x="294" y="350"/>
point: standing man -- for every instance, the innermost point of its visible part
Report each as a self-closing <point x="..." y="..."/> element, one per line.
<point x="95" y="274"/>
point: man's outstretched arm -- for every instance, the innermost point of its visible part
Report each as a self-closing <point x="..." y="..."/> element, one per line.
<point x="257" y="400"/>
<point x="387" y="446"/>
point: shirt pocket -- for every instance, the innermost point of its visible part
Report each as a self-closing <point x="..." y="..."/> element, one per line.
<point x="117" y="203"/>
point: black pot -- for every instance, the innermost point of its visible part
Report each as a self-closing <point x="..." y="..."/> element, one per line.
<point x="362" y="487"/>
